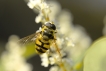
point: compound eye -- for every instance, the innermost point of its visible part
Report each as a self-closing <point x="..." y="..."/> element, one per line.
<point x="51" y="26"/>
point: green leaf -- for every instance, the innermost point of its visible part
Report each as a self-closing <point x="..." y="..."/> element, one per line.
<point x="29" y="50"/>
<point x="95" y="58"/>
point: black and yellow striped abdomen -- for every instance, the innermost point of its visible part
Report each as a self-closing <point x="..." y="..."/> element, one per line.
<point x="41" y="46"/>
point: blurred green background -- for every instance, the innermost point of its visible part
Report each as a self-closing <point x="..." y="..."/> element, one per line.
<point x="16" y="18"/>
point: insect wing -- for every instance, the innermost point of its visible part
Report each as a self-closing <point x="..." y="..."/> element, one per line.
<point x="29" y="39"/>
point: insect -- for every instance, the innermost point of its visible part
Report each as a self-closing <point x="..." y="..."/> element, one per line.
<point x="43" y="39"/>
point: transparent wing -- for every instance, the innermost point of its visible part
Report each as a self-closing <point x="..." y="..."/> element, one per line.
<point x="29" y="39"/>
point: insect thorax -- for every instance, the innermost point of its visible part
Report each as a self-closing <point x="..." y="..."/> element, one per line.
<point x="47" y="33"/>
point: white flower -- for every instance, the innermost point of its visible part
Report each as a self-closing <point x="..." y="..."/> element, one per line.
<point x="12" y="59"/>
<point x="54" y="68"/>
<point x="34" y="3"/>
<point x="39" y="18"/>
<point x="44" y="59"/>
<point x="42" y="7"/>
<point x="55" y="9"/>
<point x="52" y="60"/>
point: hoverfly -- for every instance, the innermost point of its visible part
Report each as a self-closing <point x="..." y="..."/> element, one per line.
<point x="43" y="39"/>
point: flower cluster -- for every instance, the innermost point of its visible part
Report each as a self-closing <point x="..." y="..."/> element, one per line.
<point x="12" y="59"/>
<point x="72" y="40"/>
<point x="43" y="9"/>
